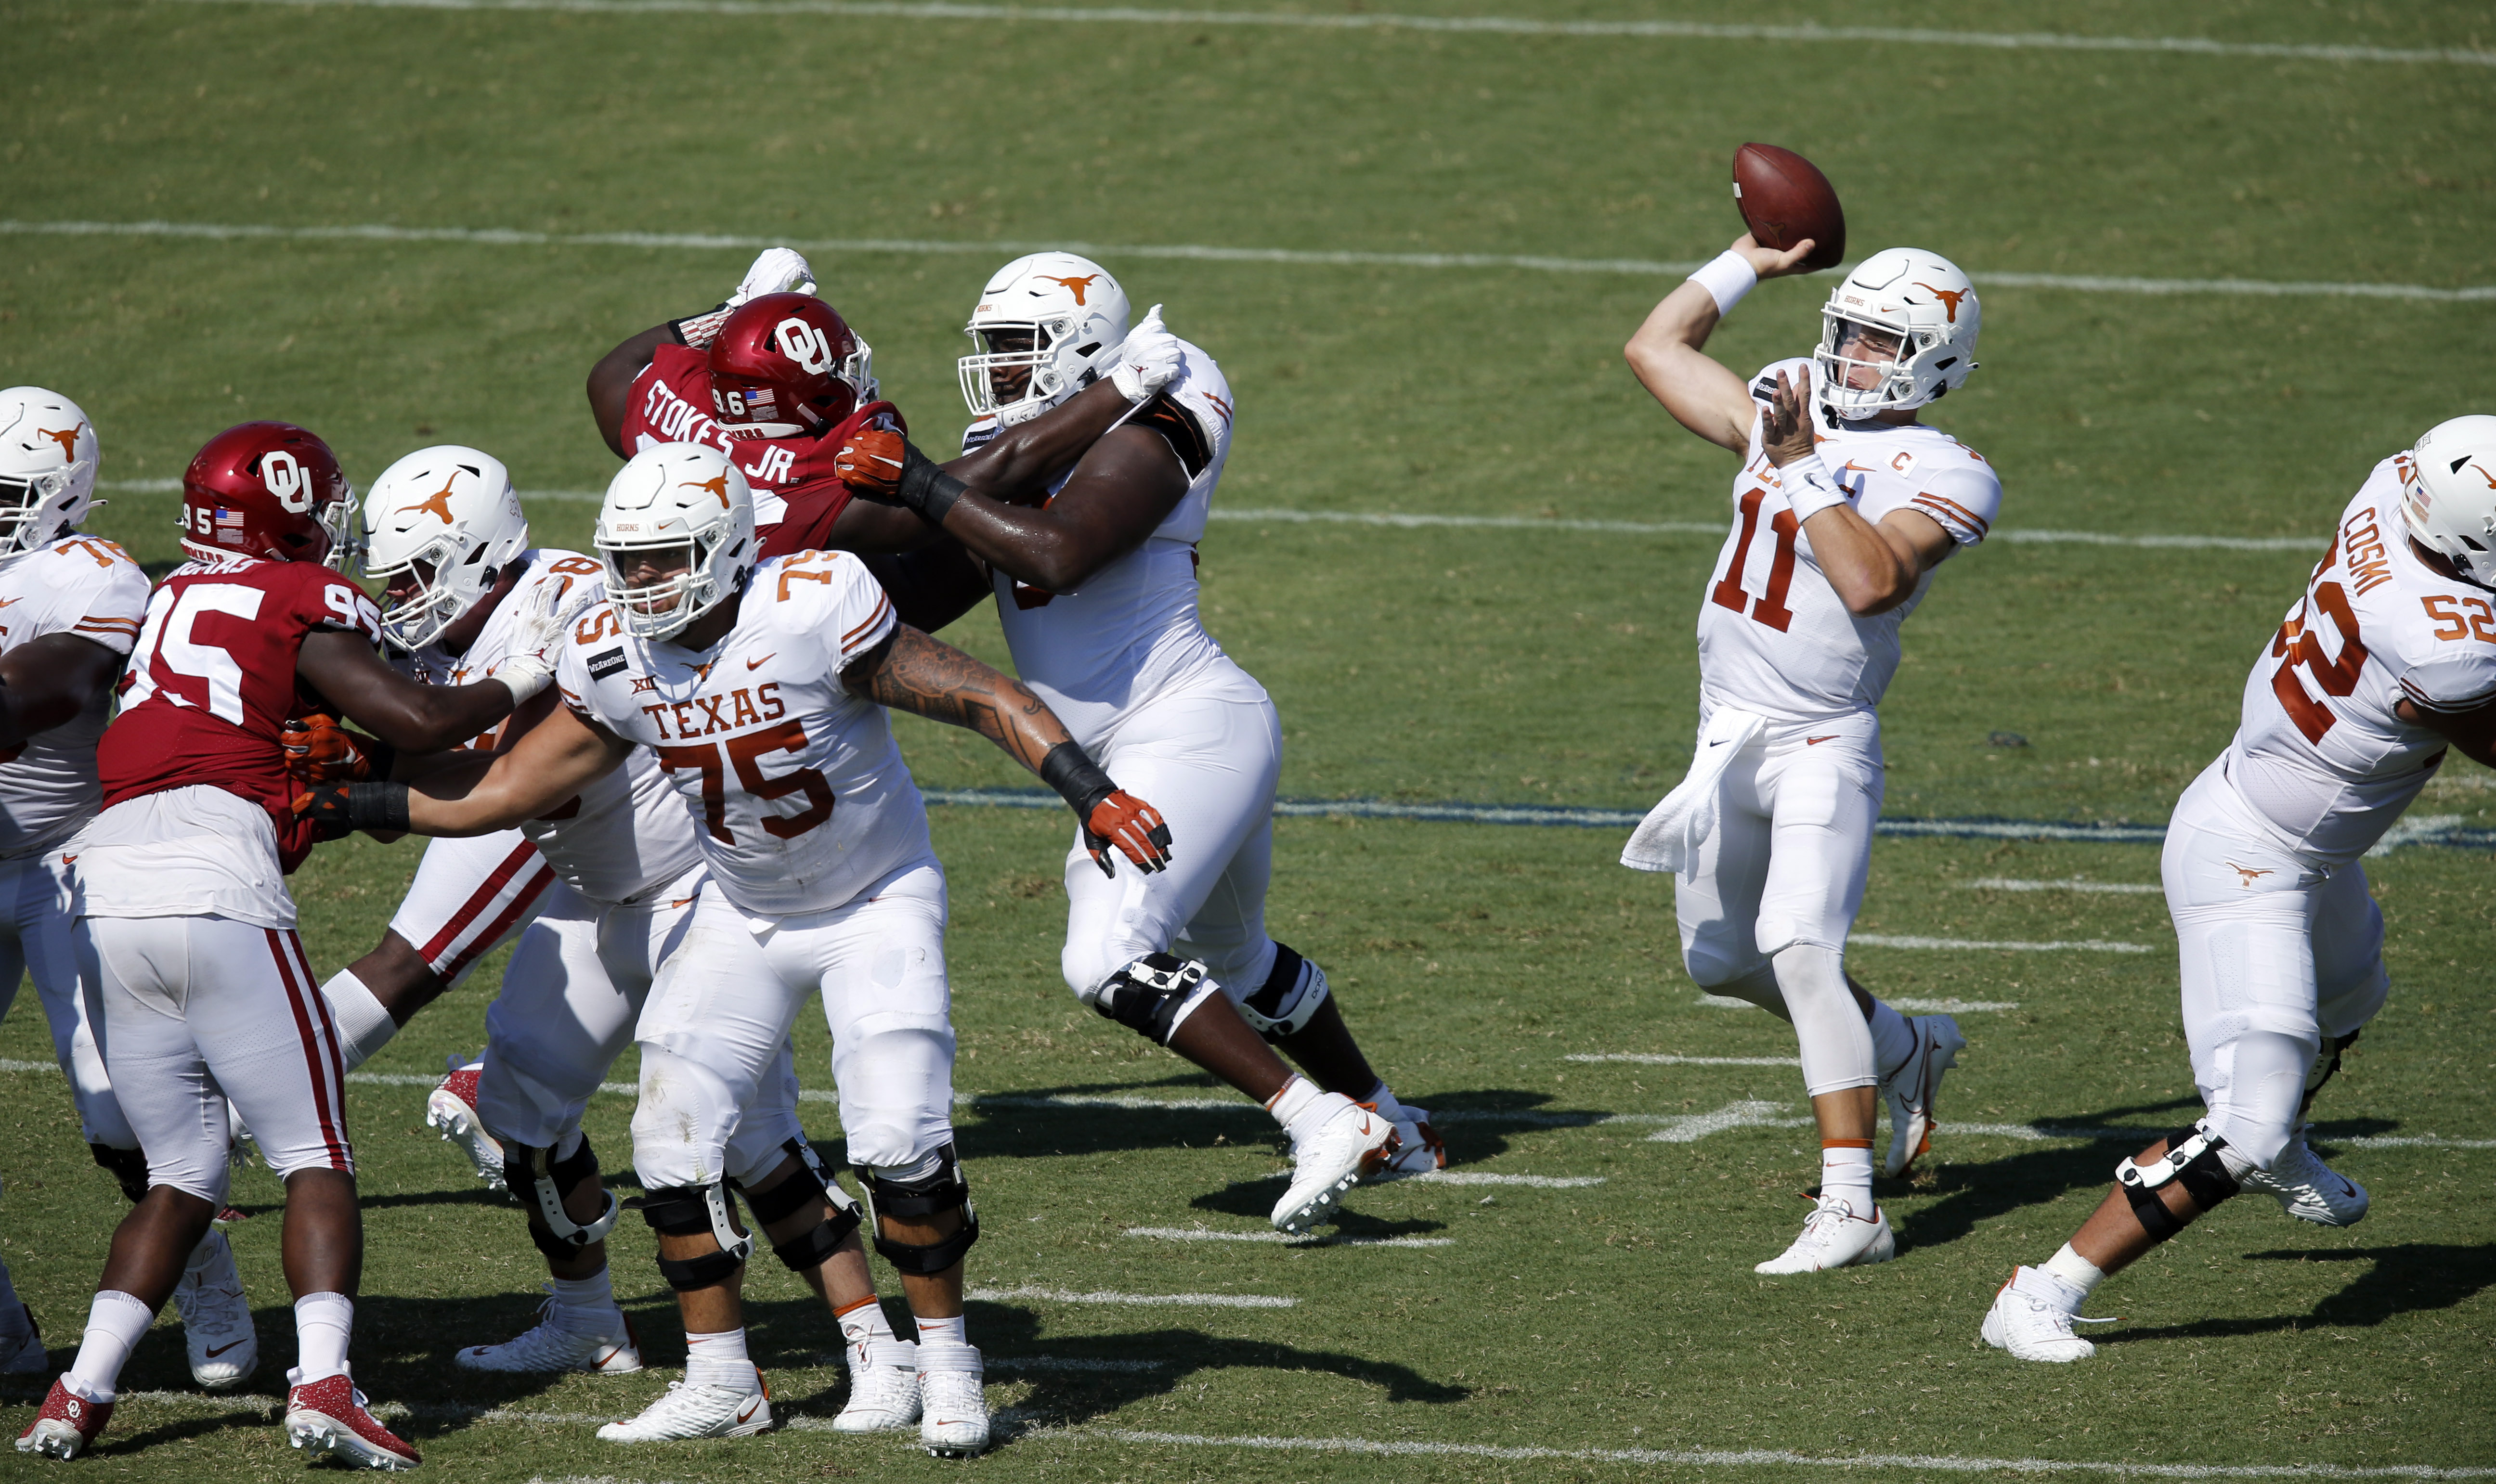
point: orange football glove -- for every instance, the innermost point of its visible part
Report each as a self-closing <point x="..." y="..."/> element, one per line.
<point x="869" y="462"/>
<point x="1131" y="825"/>
<point x="320" y="751"/>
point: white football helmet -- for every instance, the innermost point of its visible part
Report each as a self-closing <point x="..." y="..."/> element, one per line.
<point x="1074" y="317"/>
<point x="677" y="495"/>
<point x="450" y="516"/>
<point x="2449" y="499"/>
<point x="1918" y="300"/>
<point x="47" y="460"/>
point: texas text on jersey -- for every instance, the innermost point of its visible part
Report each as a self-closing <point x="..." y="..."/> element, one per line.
<point x="1134" y="630"/>
<point x="88" y="587"/>
<point x="799" y="796"/>
<point x="211" y="683"/>
<point x="2321" y="755"/>
<point x="1788" y="649"/>
<point x="796" y="496"/>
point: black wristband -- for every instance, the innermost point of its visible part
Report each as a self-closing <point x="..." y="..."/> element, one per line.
<point x="1076" y="778"/>
<point x="377" y="806"/>
<point x="927" y="488"/>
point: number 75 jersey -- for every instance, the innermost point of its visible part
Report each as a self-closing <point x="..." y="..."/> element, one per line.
<point x="800" y="798"/>
<point x="2321" y="753"/>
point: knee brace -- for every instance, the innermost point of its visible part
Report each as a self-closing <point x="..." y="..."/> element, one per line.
<point x="127" y="1166"/>
<point x="933" y="1193"/>
<point x="2192" y="1158"/>
<point x="688" y="1210"/>
<point x="811" y="1183"/>
<point x="1153" y="996"/>
<point x="1288" y="1000"/>
<point x="547" y="1182"/>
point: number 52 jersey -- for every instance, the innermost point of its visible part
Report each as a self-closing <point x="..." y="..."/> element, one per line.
<point x="800" y="797"/>
<point x="2321" y="753"/>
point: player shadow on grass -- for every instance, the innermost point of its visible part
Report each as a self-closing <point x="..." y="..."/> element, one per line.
<point x="2407" y="1279"/>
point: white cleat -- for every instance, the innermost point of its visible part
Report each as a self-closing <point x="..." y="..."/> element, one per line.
<point x="884" y="1388"/>
<point x="1421" y="1152"/>
<point x="2031" y="1318"/>
<point x="1912" y="1090"/>
<point x="452" y="1107"/>
<point x="1833" y="1236"/>
<point x="611" y="1349"/>
<point x="2307" y="1189"/>
<point x="217" y="1330"/>
<point x="691" y="1410"/>
<point x="26" y="1355"/>
<point x="954" y="1414"/>
<point x="1353" y="1142"/>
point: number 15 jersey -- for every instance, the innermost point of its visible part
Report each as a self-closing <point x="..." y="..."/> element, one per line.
<point x="1774" y="637"/>
<point x="2322" y="754"/>
<point x="800" y="797"/>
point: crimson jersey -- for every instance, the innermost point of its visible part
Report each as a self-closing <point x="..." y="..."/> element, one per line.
<point x="211" y="683"/>
<point x="795" y="495"/>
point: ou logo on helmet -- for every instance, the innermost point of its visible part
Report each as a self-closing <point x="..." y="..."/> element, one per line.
<point x="286" y="479"/>
<point x="805" y="345"/>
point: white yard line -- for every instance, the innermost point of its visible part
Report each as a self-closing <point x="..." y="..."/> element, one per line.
<point x="1691" y="1129"/>
<point x="2075" y="883"/>
<point x="1137" y="1300"/>
<point x="1653" y="1059"/>
<point x="495" y="236"/>
<point x="2081" y="945"/>
<point x="1493" y="25"/>
<point x="1484" y="1177"/>
<point x="1208" y="1234"/>
<point x="1952" y="1007"/>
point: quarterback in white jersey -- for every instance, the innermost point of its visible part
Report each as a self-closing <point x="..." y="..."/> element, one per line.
<point x="70" y="609"/>
<point x="1844" y="506"/>
<point x="1094" y="571"/>
<point x="761" y="691"/>
<point x="2387" y="661"/>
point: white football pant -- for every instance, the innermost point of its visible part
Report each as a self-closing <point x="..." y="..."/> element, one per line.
<point x="200" y="1009"/>
<point x="1771" y="893"/>
<point x="718" y="1019"/>
<point x="470" y="896"/>
<point x="1207" y="757"/>
<point x="2275" y="953"/>
<point x="36" y="940"/>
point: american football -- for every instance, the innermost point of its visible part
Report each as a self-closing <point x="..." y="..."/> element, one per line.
<point x="1785" y="199"/>
<point x="1275" y="768"/>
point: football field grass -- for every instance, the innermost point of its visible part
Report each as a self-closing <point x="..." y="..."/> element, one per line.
<point x="1591" y="1314"/>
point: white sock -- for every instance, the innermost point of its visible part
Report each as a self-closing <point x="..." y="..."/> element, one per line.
<point x="1383" y="1099"/>
<point x="322" y="1325"/>
<point x="585" y="1306"/>
<point x="363" y="1026"/>
<point x="862" y="1323"/>
<point x="2075" y="1271"/>
<point x="943" y="1331"/>
<point x="1846" y="1172"/>
<point x="1894" y="1040"/>
<point x="113" y="1324"/>
<point x="1301" y="1107"/>
<point x="719" y="1360"/>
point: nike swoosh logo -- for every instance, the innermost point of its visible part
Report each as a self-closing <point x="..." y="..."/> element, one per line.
<point x="747" y="1412"/>
<point x="1720" y="742"/>
<point x="215" y="1351"/>
<point x="5" y="602"/>
<point x="1816" y="741"/>
<point x="756" y="665"/>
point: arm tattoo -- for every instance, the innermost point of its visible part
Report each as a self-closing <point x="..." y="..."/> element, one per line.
<point x="939" y="682"/>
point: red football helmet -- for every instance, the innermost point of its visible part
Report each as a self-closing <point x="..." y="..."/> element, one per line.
<point x="270" y="489"/>
<point x="785" y="364"/>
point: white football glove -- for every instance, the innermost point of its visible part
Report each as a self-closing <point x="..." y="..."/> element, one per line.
<point x="538" y="632"/>
<point x="1150" y="359"/>
<point x="775" y="270"/>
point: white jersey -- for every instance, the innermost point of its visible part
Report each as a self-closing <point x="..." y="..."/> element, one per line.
<point x="1132" y="633"/>
<point x="2320" y="756"/>
<point x="798" y="797"/>
<point x="1773" y="636"/>
<point x="89" y="587"/>
<point x="624" y="836"/>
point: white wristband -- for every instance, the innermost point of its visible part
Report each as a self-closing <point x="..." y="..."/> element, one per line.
<point x="1727" y="280"/>
<point x="526" y="676"/>
<point x="1809" y="489"/>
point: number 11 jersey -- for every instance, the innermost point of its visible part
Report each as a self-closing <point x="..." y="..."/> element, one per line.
<point x="1774" y="637"/>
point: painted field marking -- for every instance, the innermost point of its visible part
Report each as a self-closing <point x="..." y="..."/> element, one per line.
<point x="1137" y="1300"/>
<point x="1952" y="1007"/>
<point x="1484" y="1176"/>
<point x="1652" y="1059"/>
<point x="1495" y="25"/>
<point x="1692" y="1128"/>
<point x="2079" y="945"/>
<point x="2075" y="883"/>
<point x="1208" y="1234"/>
<point x="1077" y="1364"/>
<point x="495" y="236"/>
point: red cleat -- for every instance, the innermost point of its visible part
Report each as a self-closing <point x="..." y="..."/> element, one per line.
<point x="452" y="1107"/>
<point x="66" y="1427"/>
<point x="329" y="1416"/>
